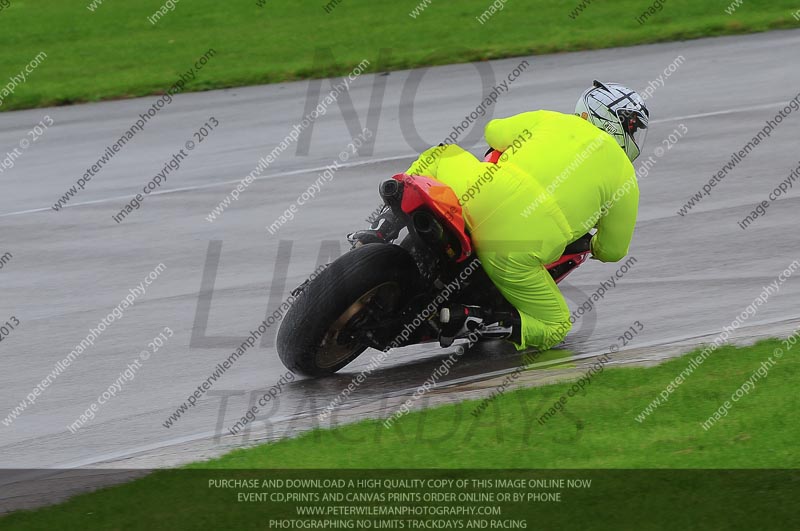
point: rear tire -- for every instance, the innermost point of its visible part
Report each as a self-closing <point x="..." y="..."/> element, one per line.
<point x="307" y="340"/>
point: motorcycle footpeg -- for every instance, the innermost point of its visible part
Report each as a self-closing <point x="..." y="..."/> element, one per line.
<point x="458" y="322"/>
<point x="496" y="331"/>
<point x="491" y="331"/>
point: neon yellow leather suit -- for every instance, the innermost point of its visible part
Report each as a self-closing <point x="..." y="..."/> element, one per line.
<point x="559" y="176"/>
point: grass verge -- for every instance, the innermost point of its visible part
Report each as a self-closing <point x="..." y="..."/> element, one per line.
<point x="100" y="49"/>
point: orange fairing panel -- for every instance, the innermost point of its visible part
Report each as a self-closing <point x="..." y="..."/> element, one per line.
<point x="439" y="199"/>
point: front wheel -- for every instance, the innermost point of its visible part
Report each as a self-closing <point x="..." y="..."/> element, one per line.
<point x="312" y="338"/>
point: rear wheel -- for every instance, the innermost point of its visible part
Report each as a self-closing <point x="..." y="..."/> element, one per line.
<point x="313" y="338"/>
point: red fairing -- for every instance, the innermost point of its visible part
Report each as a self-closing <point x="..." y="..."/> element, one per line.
<point x="440" y="199"/>
<point x="578" y="258"/>
<point x="493" y="156"/>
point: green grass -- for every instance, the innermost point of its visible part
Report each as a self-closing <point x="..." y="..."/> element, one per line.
<point x="115" y="52"/>
<point x="598" y="431"/>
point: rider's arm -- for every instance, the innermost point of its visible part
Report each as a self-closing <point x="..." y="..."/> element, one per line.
<point x="430" y="161"/>
<point x="615" y="227"/>
<point x="502" y="132"/>
<point x="427" y="163"/>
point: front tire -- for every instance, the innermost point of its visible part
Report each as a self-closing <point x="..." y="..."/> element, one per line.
<point x="308" y="339"/>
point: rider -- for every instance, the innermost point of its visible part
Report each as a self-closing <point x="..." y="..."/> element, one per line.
<point x="559" y="176"/>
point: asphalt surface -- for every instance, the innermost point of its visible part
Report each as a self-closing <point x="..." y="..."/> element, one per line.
<point x="69" y="269"/>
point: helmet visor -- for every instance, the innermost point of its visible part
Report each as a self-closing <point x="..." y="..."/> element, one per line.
<point x="634" y="123"/>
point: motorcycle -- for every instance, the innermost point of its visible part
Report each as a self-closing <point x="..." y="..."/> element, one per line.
<point x="390" y="295"/>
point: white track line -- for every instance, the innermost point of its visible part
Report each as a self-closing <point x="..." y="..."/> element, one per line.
<point x="359" y="163"/>
<point x="721" y="113"/>
<point x="212" y="185"/>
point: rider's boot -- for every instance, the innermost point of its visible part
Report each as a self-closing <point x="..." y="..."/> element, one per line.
<point x="385" y="228"/>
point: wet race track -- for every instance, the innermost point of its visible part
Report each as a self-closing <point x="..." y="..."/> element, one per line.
<point x="200" y="287"/>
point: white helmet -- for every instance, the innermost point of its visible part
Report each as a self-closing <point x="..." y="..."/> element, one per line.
<point x="619" y="111"/>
